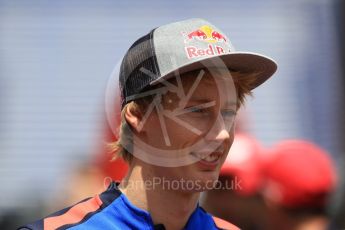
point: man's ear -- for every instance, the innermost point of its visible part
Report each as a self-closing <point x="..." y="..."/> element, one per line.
<point x="133" y="119"/>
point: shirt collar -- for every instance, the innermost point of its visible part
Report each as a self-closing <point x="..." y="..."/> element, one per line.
<point x="196" y="219"/>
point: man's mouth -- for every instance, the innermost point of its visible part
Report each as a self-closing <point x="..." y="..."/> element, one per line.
<point x="209" y="157"/>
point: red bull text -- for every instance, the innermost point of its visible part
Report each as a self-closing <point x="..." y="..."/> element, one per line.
<point x="207" y="34"/>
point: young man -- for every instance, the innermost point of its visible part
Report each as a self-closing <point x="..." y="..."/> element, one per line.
<point x="181" y="86"/>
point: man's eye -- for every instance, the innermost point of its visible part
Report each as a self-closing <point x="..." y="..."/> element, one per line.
<point x="196" y="109"/>
<point x="228" y="113"/>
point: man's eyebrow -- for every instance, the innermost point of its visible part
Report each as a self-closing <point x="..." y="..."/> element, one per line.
<point x="200" y="100"/>
<point x="230" y="103"/>
<point x="202" y="105"/>
<point x="204" y="100"/>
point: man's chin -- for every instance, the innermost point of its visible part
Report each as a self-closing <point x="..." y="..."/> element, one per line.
<point x="204" y="184"/>
<point x="208" y="175"/>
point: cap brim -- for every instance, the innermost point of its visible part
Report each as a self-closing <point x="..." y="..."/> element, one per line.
<point x="245" y="62"/>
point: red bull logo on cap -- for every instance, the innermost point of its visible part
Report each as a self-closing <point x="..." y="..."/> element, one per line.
<point x="193" y="52"/>
<point x="207" y="34"/>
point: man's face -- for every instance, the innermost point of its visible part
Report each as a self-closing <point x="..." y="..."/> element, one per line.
<point x="194" y="126"/>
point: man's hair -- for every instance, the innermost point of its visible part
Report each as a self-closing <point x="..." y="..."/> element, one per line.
<point x="123" y="146"/>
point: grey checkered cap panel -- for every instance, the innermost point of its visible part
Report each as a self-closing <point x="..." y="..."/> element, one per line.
<point x="171" y="43"/>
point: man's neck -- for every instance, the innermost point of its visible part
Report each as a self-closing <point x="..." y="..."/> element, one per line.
<point x="166" y="206"/>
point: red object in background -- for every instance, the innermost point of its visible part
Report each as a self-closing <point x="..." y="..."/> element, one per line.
<point x="299" y="174"/>
<point x="244" y="163"/>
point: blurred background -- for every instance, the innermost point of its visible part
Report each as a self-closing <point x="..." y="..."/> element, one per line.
<point x="56" y="58"/>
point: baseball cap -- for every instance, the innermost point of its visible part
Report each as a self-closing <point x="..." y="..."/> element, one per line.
<point x="244" y="163"/>
<point x="299" y="174"/>
<point x="181" y="47"/>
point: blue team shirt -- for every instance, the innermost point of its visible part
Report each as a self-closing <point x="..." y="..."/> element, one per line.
<point x="112" y="210"/>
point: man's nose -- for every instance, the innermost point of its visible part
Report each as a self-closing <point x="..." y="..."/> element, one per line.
<point x="220" y="132"/>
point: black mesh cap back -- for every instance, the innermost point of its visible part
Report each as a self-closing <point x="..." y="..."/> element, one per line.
<point x="140" y="56"/>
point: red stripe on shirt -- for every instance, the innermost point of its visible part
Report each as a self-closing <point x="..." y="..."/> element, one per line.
<point x="220" y="223"/>
<point x="74" y="214"/>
